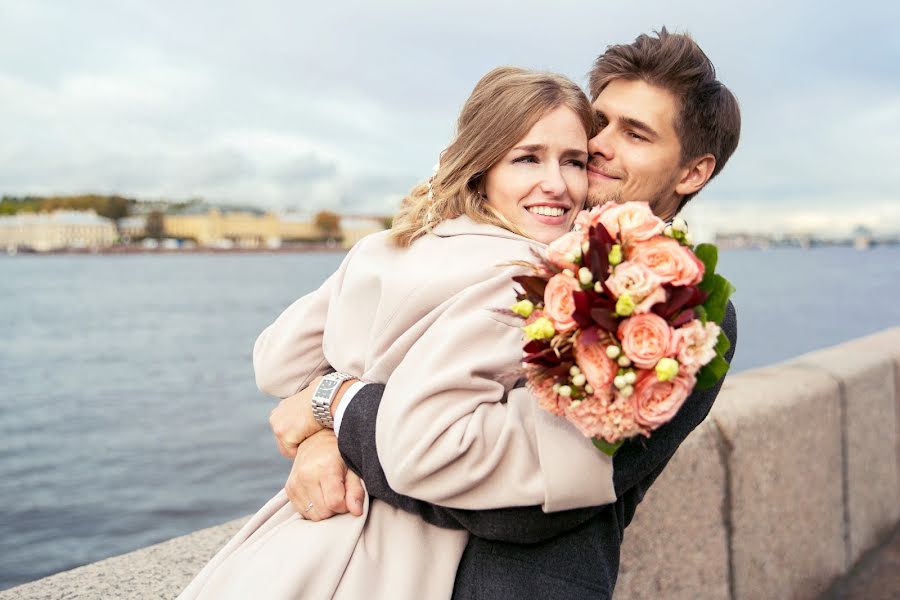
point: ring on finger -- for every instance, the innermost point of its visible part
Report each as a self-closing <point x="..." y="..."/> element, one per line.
<point x="308" y="508"/>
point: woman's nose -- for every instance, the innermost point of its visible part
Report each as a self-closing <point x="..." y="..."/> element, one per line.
<point x="553" y="183"/>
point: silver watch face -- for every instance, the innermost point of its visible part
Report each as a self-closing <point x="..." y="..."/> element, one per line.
<point x="326" y="389"/>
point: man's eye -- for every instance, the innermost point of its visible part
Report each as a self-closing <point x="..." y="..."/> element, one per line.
<point x="635" y="136"/>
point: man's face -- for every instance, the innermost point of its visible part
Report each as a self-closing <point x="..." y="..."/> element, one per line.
<point x="636" y="156"/>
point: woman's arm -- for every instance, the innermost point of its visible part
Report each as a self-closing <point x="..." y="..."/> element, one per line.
<point x="448" y="433"/>
<point x="635" y="467"/>
<point x="288" y="353"/>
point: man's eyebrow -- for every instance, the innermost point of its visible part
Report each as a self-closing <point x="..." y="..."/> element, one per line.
<point x="640" y="125"/>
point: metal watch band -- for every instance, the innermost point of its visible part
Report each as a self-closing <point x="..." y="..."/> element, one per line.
<point x="324" y="396"/>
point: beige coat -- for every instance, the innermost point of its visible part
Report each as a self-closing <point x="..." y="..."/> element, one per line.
<point x="450" y="430"/>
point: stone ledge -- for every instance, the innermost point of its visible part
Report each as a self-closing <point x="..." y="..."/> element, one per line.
<point x="767" y="499"/>
<point x="782" y="430"/>
<point x="680" y="524"/>
<point x="158" y="571"/>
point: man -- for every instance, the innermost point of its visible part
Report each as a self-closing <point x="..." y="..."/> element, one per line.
<point x="666" y="126"/>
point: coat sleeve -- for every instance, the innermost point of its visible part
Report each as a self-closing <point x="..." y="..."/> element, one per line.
<point x="636" y="467"/>
<point x="522" y="525"/>
<point x="288" y="353"/>
<point x="448" y="433"/>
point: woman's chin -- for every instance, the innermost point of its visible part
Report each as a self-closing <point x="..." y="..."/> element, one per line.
<point x="546" y="234"/>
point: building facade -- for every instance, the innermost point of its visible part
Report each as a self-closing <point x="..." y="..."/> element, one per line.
<point x="44" y="232"/>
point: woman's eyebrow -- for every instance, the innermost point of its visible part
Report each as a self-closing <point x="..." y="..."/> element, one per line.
<point x="531" y="147"/>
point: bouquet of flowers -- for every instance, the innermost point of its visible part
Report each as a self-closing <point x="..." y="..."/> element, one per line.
<point x="621" y="322"/>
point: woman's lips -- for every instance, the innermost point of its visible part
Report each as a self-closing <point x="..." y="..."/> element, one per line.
<point x="550" y="220"/>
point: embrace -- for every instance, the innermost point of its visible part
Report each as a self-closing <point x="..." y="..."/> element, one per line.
<point x="422" y="467"/>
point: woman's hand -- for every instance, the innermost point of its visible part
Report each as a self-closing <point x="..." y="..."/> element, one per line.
<point x="320" y="484"/>
<point x="292" y="421"/>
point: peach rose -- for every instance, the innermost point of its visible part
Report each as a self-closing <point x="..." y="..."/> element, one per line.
<point x="591" y="218"/>
<point x="598" y="368"/>
<point x="670" y="260"/>
<point x="634" y="221"/>
<point x="643" y="285"/>
<point x="656" y="402"/>
<point x="569" y="243"/>
<point x="645" y="338"/>
<point x="559" y="303"/>
<point x="694" y="344"/>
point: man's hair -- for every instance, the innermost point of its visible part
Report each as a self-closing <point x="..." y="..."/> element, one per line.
<point x="708" y="121"/>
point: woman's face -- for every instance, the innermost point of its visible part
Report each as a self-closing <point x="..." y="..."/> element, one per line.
<point x="541" y="183"/>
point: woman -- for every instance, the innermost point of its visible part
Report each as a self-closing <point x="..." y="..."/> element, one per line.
<point x="414" y="308"/>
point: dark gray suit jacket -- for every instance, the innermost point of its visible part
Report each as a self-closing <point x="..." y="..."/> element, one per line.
<point x="524" y="553"/>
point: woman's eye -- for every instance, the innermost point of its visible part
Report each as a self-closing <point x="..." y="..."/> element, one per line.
<point x="577" y="163"/>
<point x="530" y="158"/>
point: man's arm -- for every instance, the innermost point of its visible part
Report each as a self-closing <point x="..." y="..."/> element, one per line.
<point x="636" y="466"/>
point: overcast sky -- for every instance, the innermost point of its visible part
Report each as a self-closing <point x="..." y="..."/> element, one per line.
<point x="344" y="105"/>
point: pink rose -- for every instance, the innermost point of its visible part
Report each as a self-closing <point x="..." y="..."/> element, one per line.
<point x="598" y="368"/>
<point x="694" y="344"/>
<point x="569" y="243"/>
<point x="670" y="260"/>
<point x="643" y="285"/>
<point x="559" y="303"/>
<point x="656" y="402"/>
<point x="645" y="339"/>
<point x="634" y="221"/>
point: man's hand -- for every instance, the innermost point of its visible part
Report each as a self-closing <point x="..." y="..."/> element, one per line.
<point x="292" y="421"/>
<point x="320" y="485"/>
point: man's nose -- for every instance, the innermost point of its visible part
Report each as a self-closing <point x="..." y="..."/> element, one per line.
<point x="601" y="145"/>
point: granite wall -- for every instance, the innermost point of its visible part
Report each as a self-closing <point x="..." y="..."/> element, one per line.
<point x="794" y="475"/>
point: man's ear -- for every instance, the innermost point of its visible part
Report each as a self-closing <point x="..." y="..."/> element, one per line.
<point x="696" y="174"/>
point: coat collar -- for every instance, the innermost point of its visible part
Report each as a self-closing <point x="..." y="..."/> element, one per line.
<point x="465" y="225"/>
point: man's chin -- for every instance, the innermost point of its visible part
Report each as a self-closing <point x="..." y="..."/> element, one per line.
<point x="600" y="197"/>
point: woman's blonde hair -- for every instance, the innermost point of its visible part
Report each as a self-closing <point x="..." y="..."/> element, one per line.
<point x="504" y="106"/>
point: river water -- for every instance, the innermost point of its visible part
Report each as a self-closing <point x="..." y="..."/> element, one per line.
<point x="128" y="412"/>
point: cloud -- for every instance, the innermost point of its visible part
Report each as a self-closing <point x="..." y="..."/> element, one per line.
<point x="345" y="105"/>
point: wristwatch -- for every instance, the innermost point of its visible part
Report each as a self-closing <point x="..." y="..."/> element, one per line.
<point x="324" y="396"/>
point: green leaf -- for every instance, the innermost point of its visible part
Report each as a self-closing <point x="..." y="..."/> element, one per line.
<point x="605" y="447"/>
<point x="723" y="344"/>
<point x="701" y="314"/>
<point x="709" y="256"/>
<point x="719" y="289"/>
<point x="711" y="373"/>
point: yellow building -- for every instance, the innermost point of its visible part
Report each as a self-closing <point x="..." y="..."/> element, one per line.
<point x="61" y="229"/>
<point x="248" y="229"/>
<point x="242" y="228"/>
<point x="356" y="228"/>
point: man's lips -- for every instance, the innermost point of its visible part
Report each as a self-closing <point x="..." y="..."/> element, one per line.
<point x="600" y="172"/>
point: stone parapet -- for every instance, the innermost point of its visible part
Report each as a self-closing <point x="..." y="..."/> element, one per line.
<point x="793" y="476"/>
<point x="680" y="525"/>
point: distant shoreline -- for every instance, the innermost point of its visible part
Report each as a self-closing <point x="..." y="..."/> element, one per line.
<point x="128" y="250"/>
